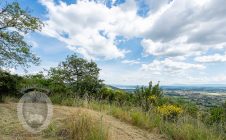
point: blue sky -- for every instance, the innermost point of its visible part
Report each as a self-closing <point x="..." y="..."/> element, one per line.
<point x="135" y="41"/>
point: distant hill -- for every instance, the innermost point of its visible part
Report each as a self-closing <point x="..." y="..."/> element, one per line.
<point x="113" y="87"/>
<point x="197" y="87"/>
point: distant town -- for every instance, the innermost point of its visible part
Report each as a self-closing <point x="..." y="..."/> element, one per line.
<point x="202" y="95"/>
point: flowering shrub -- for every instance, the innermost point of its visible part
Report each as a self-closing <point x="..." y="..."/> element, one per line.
<point x="169" y="112"/>
<point x="153" y="99"/>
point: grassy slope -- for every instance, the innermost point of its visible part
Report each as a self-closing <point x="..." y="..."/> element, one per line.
<point x="12" y="129"/>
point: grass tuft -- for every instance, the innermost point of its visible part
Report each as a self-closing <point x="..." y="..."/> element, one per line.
<point x="81" y="126"/>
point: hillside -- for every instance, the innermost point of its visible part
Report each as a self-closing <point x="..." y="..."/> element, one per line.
<point x="118" y="130"/>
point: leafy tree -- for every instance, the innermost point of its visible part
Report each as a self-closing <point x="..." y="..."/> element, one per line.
<point x="79" y="74"/>
<point x="57" y="85"/>
<point x="14" y="24"/>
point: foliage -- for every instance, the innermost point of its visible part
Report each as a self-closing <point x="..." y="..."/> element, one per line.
<point x="186" y="127"/>
<point x="78" y="74"/>
<point x="169" y="112"/>
<point x="14" y="24"/>
<point x="8" y="84"/>
<point x="217" y="115"/>
<point x="143" y="95"/>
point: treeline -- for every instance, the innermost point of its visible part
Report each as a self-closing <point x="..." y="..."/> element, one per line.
<point x="77" y="79"/>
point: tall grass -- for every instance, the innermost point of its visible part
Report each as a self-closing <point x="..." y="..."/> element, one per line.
<point x="79" y="126"/>
<point x="82" y="127"/>
<point x="185" y="128"/>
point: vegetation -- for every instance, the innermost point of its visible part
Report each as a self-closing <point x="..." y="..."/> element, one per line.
<point x="75" y="82"/>
<point x="14" y="24"/>
<point x="146" y="108"/>
<point x="8" y="84"/>
<point x="169" y="112"/>
<point x="79" y="126"/>
<point x="82" y="127"/>
<point x="79" y="75"/>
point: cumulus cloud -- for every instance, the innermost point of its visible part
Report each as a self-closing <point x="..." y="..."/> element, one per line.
<point x="174" y="26"/>
<point x="171" y="49"/>
<point x="169" y="66"/>
<point x="211" y="58"/>
<point x="88" y="27"/>
<point x="186" y="28"/>
<point x="174" y="32"/>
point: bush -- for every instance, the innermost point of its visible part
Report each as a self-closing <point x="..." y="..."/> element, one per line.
<point x="169" y="112"/>
<point x="9" y="84"/>
<point x="217" y="115"/>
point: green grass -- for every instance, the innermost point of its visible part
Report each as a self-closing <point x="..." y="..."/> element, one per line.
<point x="185" y="128"/>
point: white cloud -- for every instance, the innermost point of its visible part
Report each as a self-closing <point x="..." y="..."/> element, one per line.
<point x="171" y="49"/>
<point x="169" y="66"/>
<point x="217" y="79"/>
<point x="79" y="26"/>
<point x="131" y="62"/>
<point x="11" y="70"/>
<point x="171" y="26"/>
<point x="186" y="27"/>
<point x="211" y="58"/>
<point x="173" y="31"/>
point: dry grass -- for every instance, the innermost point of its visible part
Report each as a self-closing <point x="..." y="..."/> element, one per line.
<point x="81" y="126"/>
<point x="77" y="126"/>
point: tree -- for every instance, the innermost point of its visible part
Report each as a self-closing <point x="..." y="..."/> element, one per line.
<point x="14" y="24"/>
<point x="79" y="74"/>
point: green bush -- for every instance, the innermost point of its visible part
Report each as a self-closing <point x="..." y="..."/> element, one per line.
<point x="9" y="84"/>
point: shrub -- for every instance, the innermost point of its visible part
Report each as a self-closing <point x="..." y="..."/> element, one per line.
<point x="169" y="112"/>
<point x="216" y="115"/>
<point x="8" y="84"/>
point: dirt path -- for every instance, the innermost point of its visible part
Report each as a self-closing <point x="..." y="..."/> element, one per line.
<point x="118" y="130"/>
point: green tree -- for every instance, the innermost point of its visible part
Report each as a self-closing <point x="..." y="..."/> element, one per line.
<point x="57" y="84"/>
<point x="79" y="74"/>
<point x="14" y="24"/>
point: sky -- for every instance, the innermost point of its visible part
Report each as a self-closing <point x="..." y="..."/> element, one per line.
<point x="135" y="41"/>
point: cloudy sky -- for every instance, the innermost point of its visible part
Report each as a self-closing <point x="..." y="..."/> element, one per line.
<point x="135" y="41"/>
